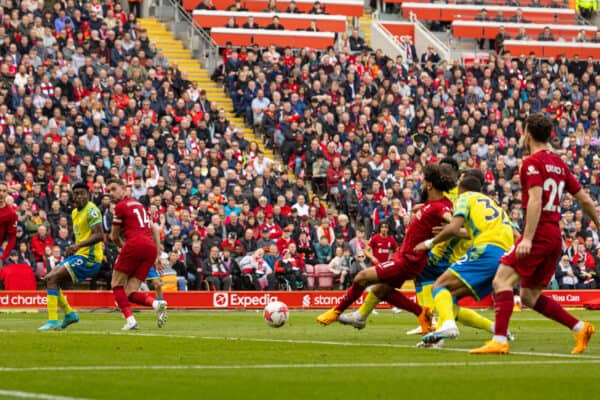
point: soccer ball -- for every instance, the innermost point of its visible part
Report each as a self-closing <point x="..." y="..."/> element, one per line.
<point x="276" y="314"/>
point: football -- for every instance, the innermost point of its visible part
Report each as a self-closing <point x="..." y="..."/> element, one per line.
<point x="276" y="314"/>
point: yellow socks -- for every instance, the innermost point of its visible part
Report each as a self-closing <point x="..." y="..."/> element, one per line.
<point x="52" y="305"/>
<point x="443" y="304"/>
<point x="369" y="305"/>
<point x="63" y="303"/>
<point x="471" y="318"/>
<point x="427" y="295"/>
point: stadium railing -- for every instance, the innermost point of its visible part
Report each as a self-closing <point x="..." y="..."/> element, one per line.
<point x="198" y="41"/>
<point x="553" y="49"/>
<point x="325" y="23"/>
<point x="451" y="12"/>
<point x="489" y="30"/>
<point x="264" y="37"/>
<point x="350" y="8"/>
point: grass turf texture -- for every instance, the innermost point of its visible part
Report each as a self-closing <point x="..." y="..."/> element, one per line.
<point x="212" y="355"/>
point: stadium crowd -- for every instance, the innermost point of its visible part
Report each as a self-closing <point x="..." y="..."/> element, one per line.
<point x="85" y="95"/>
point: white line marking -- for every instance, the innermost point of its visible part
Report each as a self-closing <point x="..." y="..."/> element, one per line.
<point x="315" y="342"/>
<point x="28" y="395"/>
<point x="84" y="368"/>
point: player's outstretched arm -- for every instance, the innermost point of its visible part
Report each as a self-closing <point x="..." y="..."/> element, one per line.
<point x="453" y="228"/>
<point x="587" y="205"/>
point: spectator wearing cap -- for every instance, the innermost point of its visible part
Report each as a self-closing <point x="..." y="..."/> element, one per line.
<point x="233" y="245"/>
<point x="286" y="239"/>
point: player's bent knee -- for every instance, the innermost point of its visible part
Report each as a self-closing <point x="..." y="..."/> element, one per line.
<point x="380" y="290"/>
<point x="529" y="297"/>
<point x="365" y="277"/>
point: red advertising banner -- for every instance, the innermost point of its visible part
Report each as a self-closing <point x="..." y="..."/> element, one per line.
<point x="253" y="300"/>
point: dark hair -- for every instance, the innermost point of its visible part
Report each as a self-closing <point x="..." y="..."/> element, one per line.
<point x="475" y="173"/>
<point x="539" y="127"/>
<point x="80" y="185"/>
<point x="441" y="176"/>
<point x="451" y="162"/>
<point x="470" y="184"/>
<point x="115" y="180"/>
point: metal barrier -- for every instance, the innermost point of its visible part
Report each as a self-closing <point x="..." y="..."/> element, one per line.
<point x="197" y="40"/>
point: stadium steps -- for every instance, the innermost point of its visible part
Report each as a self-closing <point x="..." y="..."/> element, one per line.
<point x="365" y="26"/>
<point x="176" y="53"/>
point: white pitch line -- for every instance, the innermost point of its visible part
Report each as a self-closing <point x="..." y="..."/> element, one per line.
<point x="29" y="395"/>
<point x="318" y="342"/>
<point x="85" y="368"/>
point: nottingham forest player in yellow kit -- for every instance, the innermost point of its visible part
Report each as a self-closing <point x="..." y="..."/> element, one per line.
<point x="492" y="235"/>
<point x="442" y="256"/>
<point x="83" y="258"/>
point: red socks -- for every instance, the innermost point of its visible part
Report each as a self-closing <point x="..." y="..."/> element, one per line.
<point x="142" y="299"/>
<point x="504" y="308"/>
<point x="122" y="301"/>
<point x="551" y="309"/>
<point x="352" y="294"/>
<point x="399" y="300"/>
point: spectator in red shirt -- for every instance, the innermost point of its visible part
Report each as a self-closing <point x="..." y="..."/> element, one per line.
<point x="39" y="242"/>
<point x="286" y="239"/>
<point x="233" y="245"/>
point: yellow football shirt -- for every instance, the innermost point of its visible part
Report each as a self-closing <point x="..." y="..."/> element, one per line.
<point x="83" y="222"/>
<point x="485" y="221"/>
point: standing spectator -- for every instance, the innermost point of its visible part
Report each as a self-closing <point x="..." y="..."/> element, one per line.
<point x="381" y="246"/>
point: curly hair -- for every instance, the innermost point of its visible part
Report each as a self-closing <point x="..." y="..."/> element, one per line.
<point x="539" y="127"/>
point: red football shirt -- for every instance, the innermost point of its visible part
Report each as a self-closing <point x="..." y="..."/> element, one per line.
<point x="547" y="170"/>
<point x="8" y="229"/>
<point x="421" y="228"/>
<point x="131" y="215"/>
<point x="382" y="247"/>
<point x="18" y="277"/>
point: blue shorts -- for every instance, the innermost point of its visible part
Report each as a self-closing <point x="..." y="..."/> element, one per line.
<point x="478" y="268"/>
<point x="80" y="268"/>
<point x="431" y="272"/>
<point x="152" y="274"/>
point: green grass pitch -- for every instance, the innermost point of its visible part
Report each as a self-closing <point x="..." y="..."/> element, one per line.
<point x="235" y="355"/>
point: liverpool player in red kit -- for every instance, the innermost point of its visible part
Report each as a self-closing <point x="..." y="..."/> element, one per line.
<point x="406" y="264"/>
<point x="139" y="251"/>
<point x="8" y="224"/>
<point x="381" y="246"/>
<point x="533" y="260"/>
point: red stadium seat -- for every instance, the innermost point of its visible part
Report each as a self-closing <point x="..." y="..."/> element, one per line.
<point x="325" y="278"/>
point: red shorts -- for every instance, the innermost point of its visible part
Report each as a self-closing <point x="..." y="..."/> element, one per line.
<point x="397" y="271"/>
<point x="136" y="258"/>
<point x="538" y="267"/>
